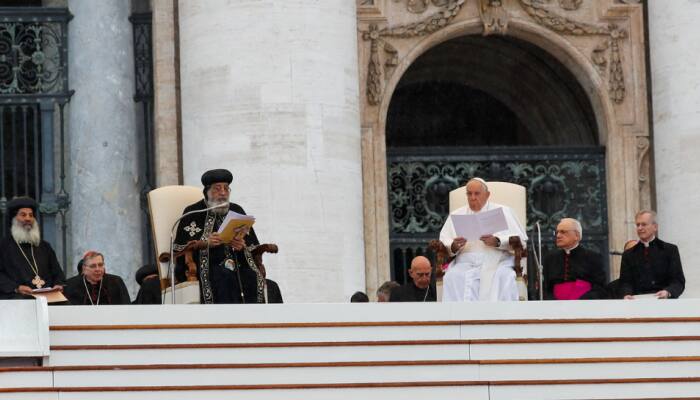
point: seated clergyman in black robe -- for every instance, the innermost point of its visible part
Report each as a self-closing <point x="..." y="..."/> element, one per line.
<point x="226" y="271"/>
<point x="573" y="272"/>
<point x="149" y="281"/>
<point x="419" y="288"/>
<point x="93" y="286"/>
<point x="652" y="266"/>
<point x="26" y="261"/>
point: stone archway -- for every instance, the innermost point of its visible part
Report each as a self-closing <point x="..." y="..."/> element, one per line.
<point x="599" y="43"/>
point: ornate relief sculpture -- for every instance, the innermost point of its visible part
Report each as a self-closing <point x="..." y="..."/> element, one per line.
<point x="612" y="34"/>
<point x="570" y="4"/>
<point x="376" y="36"/>
<point x="494" y="16"/>
<point x="419" y="6"/>
<point x="643" y="171"/>
<point x="606" y="56"/>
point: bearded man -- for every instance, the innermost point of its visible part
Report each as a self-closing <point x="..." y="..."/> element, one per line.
<point x="227" y="272"/>
<point x="26" y="261"/>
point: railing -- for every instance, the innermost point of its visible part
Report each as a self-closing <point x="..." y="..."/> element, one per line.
<point x="33" y="93"/>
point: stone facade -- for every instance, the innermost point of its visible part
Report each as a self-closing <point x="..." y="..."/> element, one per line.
<point x="601" y="42"/>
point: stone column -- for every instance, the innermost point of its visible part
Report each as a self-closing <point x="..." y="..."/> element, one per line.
<point x="168" y="165"/>
<point x="673" y="31"/>
<point x="103" y="174"/>
<point x="270" y="91"/>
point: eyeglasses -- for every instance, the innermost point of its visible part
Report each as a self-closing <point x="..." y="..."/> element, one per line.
<point x="421" y="274"/>
<point x="562" y="231"/>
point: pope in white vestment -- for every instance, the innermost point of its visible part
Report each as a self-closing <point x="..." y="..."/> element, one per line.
<point x="482" y="269"/>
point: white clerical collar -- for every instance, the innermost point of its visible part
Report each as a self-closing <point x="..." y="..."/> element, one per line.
<point x="646" y="244"/>
<point x="568" y="251"/>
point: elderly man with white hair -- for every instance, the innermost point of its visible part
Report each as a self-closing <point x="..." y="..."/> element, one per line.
<point x="573" y="272"/>
<point x="482" y="269"/>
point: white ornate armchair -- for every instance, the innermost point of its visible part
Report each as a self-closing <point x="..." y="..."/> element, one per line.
<point x="165" y="205"/>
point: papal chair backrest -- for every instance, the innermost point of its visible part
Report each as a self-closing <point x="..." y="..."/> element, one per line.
<point x="166" y="205"/>
<point x="505" y="193"/>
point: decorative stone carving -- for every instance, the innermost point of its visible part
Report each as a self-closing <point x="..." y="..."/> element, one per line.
<point x="643" y="170"/>
<point x="494" y="17"/>
<point x="419" y="6"/>
<point x="376" y="36"/>
<point x="570" y="4"/>
<point x="567" y="26"/>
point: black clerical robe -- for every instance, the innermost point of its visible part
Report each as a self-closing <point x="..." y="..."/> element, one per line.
<point x="219" y="279"/>
<point x="15" y="270"/>
<point x="651" y="270"/>
<point x="111" y="290"/>
<point x="583" y="264"/>
<point x="410" y="292"/>
<point x="274" y="294"/>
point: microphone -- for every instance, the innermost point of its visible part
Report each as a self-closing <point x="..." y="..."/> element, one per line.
<point x="171" y="268"/>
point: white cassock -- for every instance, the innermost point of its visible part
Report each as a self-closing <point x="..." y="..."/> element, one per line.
<point x="481" y="272"/>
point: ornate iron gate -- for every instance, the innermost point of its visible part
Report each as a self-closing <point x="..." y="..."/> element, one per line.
<point x="561" y="182"/>
<point x="33" y="93"/>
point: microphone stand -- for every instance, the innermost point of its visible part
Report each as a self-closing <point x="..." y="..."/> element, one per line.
<point x="538" y="259"/>
<point x="171" y="268"/>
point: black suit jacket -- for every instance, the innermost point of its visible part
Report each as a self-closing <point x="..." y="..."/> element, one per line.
<point x="584" y="264"/>
<point x="661" y="271"/>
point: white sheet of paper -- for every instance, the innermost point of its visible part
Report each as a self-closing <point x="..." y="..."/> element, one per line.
<point x="474" y="226"/>
<point x="233" y="215"/>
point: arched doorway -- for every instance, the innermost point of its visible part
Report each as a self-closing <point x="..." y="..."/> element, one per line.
<point x="502" y="109"/>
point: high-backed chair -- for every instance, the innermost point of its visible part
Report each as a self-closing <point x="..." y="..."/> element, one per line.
<point x="507" y="194"/>
<point x="166" y="205"/>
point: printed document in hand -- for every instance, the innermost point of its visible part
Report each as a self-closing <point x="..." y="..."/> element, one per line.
<point x="235" y="225"/>
<point x="474" y="226"/>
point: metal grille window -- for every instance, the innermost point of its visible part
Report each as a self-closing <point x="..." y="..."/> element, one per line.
<point x="33" y="93"/>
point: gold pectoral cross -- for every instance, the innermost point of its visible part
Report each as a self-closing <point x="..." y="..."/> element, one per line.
<point x="38" y="282"/>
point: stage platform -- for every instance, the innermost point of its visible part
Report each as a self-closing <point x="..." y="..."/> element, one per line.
<point x="530" y="350"/>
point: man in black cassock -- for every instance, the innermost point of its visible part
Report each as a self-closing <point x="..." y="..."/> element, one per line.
<point x="226" y="271"/>
<point x="26" y="261"/>
<point x="652" y="266"/>
<point x="419" y="288"/>
<point x="572" y="264"/>
<point x="93" y="285"/>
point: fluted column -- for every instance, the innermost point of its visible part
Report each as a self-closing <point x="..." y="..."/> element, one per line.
<point x="270" y="91"/>
<point x="105" y="213"/>
<point x="673" y="31"/>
